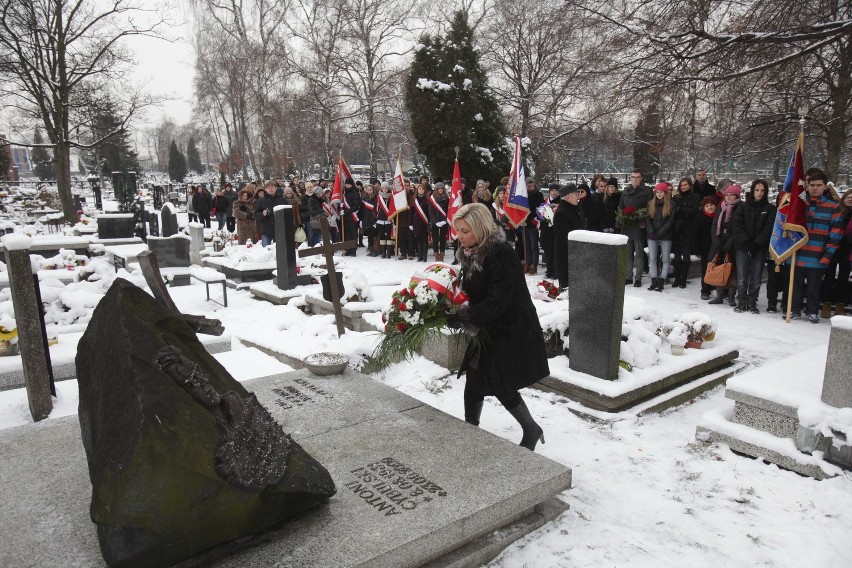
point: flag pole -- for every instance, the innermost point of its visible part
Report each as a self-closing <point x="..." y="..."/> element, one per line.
<point x="396" y="236"/>
<point x="790" y="287"/>
<point x="803" y="112"/>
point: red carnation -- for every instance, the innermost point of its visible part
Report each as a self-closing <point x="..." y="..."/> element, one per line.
<point x="403" y="292"/>
<point x="402" y="307"/>
<point x="629" y="210"/>
<point x="400" y="326"/>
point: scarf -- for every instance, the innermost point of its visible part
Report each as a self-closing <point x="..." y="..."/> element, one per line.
<point x="727" y="210"/>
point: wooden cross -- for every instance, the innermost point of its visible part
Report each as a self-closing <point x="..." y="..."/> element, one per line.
<point x="328" y="249"/>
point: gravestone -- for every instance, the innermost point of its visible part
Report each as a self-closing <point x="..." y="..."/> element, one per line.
<point x="399" y="502"/>
<point x="154" y="224"/>
<point x="161" y="419"/>
<point x="285" y="249"/>
<point x="115" y="226"/>
<point x="158" y="196"/>
<point x="32" y="340"/>
<point x="328" y="250"/>
<point x="597" y="301"/>
<point x="169" y="224"/>
<point x="837" y="381"/>
<point x="196" y="245"/>
<point x="171" y="251"/>
<point x="151" y="271"/>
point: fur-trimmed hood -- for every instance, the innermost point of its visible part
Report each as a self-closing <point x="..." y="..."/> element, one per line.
<point x="475" y="261"/>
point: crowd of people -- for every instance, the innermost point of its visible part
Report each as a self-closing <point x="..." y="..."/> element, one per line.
<point x="666" y="224"/>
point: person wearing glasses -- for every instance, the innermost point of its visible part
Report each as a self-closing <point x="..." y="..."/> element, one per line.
<point x="635" y="197"/>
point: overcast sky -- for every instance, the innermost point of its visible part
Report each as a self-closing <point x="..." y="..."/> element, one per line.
<point x="167" y="67"/>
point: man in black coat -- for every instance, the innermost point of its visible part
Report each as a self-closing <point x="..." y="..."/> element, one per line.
<point x="702" y="186"/>
<point x="353" y="200"/>
<point x="568" y="217"/>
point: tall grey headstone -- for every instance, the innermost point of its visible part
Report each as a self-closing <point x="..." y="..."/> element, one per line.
<point x="285" y="249"/>
<point x="597" y="302"/>
<point x="837" y="382"/>
<point x="28" y="317"/>
<point x="169" y="224"/>
<point x="196" y="245"/>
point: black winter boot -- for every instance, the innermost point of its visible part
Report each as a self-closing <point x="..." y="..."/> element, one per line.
<point x="532" y="431"/>
<point x="653" y="285"/>
<point x="472" y="411"/>
<point x="719" y="298"/>
<point x="661" y="284"/>
<point x="742" y="306"/>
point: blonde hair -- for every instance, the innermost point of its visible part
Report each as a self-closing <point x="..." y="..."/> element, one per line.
<point x="667" y="205"/>
<point x="479" y="218"/>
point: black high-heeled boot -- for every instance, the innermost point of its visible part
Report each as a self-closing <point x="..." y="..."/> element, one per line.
<point x="532" y="431"/>
<point x="472" y="411"/>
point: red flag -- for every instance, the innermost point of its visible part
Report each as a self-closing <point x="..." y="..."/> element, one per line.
<point x="337" y="189"/>
<point x="398" y="200"/>
<point x="455" y="198"/>
<point x="797" y="210"/>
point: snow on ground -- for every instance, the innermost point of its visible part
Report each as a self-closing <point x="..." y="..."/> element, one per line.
<point x="644" y="493"/>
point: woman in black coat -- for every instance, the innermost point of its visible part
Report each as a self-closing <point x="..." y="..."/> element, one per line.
<point x="609" y="204"/>
<point x="686" y="213"/>
<point x="508" y="352"/>
<point x="753" y="222"/>
<point x="722" y="232"/>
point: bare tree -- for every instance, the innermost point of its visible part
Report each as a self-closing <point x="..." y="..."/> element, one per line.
<point x="378" y="36"/>
<point x="49" y="49"/>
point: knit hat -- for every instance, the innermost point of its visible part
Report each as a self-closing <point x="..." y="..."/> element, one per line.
<point x="553" y="185"/>
<point x="707" y="201"/>
<point x="439" y="184"/>
<point x="318" y="191"/>
<point x="662" y="186"/>
<point x="568" y="189"/>
<point x="734" y="189"/>
<point x="612" y="181"/>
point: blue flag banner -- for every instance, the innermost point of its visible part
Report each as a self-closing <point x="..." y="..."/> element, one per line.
<point x="790" y="232"/>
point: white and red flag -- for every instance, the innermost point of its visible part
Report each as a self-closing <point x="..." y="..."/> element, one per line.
<point x="455" y="198"/>
<point x="399" y="197"/>
<point x="516" y="203"/>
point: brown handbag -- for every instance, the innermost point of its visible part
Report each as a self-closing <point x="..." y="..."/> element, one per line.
<point x="718" y="271"/>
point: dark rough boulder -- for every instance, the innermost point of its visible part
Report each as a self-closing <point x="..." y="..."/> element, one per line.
<point x="181" y="457"/>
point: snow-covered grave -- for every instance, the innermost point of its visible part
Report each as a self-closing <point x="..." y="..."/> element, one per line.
<point x="796" y="413"/>
<point x="242" y="264"/>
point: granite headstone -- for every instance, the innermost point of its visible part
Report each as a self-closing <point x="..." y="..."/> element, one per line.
<point x="837" y="381"/>
<point x="32" y="340"/>
<point x="169" y="224"/>
<point x="285" y="249"/>
<point x="116" y="226"/>
<point x="181" y="456"/>
<point x="597" y="302"/>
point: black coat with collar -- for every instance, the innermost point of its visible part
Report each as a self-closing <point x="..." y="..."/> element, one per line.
<point x="513" y="354"/>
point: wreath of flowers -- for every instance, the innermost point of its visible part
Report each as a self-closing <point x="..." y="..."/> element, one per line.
<point x="631" y="215"/>
<point x="416" y="311"/>
<point x="549" y="288"/>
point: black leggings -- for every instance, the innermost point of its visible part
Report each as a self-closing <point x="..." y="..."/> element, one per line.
<point x="473" y="391"/>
